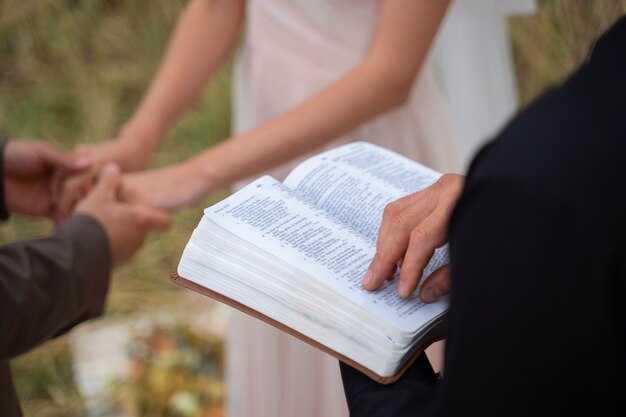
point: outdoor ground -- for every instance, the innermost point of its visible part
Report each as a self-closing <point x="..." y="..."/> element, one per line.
<point x="72" y="71"/>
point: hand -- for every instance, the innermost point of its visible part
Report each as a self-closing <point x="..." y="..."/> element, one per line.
<point x="169" y="188"/>
<point x="411" y="229"/>
<point x="126" y="225"/>
<point x="129" y="154"/>
<point x="30" y="170"/>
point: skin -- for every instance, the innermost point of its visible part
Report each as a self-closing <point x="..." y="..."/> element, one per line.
<point x="126" y="225"/>
<point x="30" y="169"/>
<point x="411" y="229"/>
<point x="206" y="31"/>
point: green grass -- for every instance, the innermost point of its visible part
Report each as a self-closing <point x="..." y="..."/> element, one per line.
<point x="73" y="71"/>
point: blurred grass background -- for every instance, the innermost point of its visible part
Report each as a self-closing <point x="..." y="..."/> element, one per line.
<point x="72" y="71"/>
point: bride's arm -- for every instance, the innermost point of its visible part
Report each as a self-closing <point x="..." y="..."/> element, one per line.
<point x="204" y="34"/>
<point x="402" y="37"/>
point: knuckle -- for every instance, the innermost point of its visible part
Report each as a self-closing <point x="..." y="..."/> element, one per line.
<point x="418" y="235"/>
<point x="390" y="209"/>
<point x="451" y="182"/>
<point x="380" y="258"/>
<point x="397" y="221"/>
<point x="446" y="179"/>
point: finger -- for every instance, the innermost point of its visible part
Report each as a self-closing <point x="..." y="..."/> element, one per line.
<point x="415" y="260"/>
<point x="388" y="251"/>
<point x="436" y="285"/>
<point x="423" y="241"/>
<point x="153" y="218"/>
<point x="73" y="191"/>
<point x="419" y="205"/>
<point x="86" y="187"/>
<point x="393" y="273"/>
<point x="56" y="186"/>
<point x="83" y="150"/>
<point x="399" y="218"/>
<point x="109" y="181"/>
<point x="63" y="160"/>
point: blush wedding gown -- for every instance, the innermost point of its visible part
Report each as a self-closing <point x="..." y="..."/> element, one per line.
<point x="292" y="49"/>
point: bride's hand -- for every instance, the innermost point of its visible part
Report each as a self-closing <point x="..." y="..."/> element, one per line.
<point x="169" y="188"/>
<point x="129" y="154"/>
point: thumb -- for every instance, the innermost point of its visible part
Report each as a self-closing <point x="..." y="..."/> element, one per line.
<point x="153" y="218"/>
<point x="109" y="180"/>
<point x="436" y="285"/>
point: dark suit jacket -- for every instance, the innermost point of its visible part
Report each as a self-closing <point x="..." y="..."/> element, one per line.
<point x="538" y="255"/>
<point x="48" y="286"/>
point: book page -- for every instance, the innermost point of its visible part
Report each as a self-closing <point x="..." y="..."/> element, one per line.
<point x="276" y="219"/>
<point x="354" y="183"/>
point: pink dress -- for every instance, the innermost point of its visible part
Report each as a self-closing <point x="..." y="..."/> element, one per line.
<point x="291" y="50"/>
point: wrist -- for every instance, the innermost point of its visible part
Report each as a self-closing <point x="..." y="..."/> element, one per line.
<point x="201" y="176"/>
<point x="134" y="147"/>
<point x="143" y="131"/>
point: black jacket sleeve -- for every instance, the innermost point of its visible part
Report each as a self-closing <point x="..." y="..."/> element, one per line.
<point x="537" y="323"/>
<point x="411" y="395"/>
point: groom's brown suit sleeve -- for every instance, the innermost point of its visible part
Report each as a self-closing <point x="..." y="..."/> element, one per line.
<point x="47" y="286"/>
<point x="51" y="284"/>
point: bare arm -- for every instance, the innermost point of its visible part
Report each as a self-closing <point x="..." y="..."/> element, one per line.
<point x="205" y="31"/>
<point x="383" y="80"/>
<point x="204" y="34"/>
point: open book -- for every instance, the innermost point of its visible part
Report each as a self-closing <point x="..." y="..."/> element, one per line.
<point x="293" y="254"/>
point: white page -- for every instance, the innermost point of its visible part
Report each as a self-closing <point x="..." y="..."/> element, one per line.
<point x="273" y="217"/>
<point x="354" y="183"/>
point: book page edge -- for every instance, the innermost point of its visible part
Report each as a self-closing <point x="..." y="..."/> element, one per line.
<point x="385" y="380"/>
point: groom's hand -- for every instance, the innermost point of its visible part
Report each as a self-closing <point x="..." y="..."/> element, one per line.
<point x="128" y="153"/>
<point x="411" y="229"/>
<point x="126" y="225"/>
<point x="30" y="170"/>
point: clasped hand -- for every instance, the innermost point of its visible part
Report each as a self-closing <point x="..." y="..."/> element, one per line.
<point x="51" y="183"/>
<point x="35" y="171"/>
<point x="44" y="181"/>
<point x="168" y="188"/>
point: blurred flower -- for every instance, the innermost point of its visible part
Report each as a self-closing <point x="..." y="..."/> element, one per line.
<point x="176" y="371"/>
<point x="184" y="403"/>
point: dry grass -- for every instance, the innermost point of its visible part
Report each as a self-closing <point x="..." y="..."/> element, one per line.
<point x="556" y="39"/>
<point x="72" y="71"/>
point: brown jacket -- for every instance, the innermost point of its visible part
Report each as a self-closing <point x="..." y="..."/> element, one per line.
<point x="47" y="286"/>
